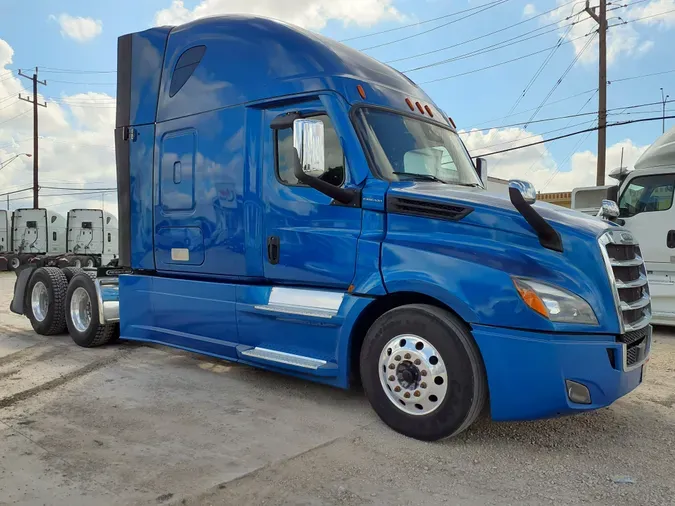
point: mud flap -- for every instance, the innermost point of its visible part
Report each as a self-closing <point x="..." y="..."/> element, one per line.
<point x="22" y="277"/>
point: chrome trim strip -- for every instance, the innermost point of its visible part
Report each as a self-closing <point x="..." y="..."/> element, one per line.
<point x="635" y="262"/>
<point x="645" y="345"/>
<point x="303" y="302"/>
<point x="603" y="241"/>
<point x="284" y="358"/>
<point x="637" y="304"/>
<point x="108" y="310"/>
<point x="636" y="283"/>
<point x="317" y="313"/>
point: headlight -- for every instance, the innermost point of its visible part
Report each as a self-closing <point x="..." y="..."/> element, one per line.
<point x="556" y="304"/>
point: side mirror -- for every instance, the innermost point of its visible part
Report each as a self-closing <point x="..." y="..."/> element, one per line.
<point x="613" y="193"/>
<point x="308" y="141"/>
<point x="525" y="188"/>
<point x="481" y="168"/>
<point x="609" y="210"/>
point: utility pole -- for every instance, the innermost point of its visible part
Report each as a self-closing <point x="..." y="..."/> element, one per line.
<point x="663" y="101"/>
<point x="34" y="101"/>
<point x="601" y="19"/>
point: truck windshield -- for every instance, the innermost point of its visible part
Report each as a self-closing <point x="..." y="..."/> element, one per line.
<point x="406" y="148"/>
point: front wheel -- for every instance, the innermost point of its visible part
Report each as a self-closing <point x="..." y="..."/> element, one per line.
<point x="422" y="372"/>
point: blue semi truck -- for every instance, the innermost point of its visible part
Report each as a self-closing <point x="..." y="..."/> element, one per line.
<point x="290" y="203"/>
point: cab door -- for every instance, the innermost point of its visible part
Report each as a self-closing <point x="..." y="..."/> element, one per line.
<point x="310" y="239"/>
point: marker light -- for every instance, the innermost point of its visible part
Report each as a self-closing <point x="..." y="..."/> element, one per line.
<point x="419" y="106"/>
<point x="407" y="101"/>
<point x="361" y="91"/>
<point x="452" y="122"/>
<point x="428" y="109"/>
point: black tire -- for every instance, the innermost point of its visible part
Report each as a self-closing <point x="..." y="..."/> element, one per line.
<point x="77" y="261"/>
<point x="4" y="265"/>
<point x="13" y="262"/>
<point x="70" y="272"/>
<point x="56" y="284"/>
<point x="466" y="379"/>
<point x="95" y="334"/>
<point x="89" y="262"/>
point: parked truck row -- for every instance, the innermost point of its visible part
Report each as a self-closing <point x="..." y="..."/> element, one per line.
<point x="84" y="238"/>
<point x="290" y="203"/>
<point x="643" y="204"/>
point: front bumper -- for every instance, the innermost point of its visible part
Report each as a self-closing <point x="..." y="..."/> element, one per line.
<point x="527" y="371"/>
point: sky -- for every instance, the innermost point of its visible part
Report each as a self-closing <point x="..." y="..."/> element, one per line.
<point x="497" y="67"/>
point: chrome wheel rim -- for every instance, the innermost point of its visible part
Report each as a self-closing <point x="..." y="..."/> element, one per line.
<point x="413" y="374"/>
<point x="90" y="262"/>
<point x="39" y="301"/>
<point x="80" y="309"/>
<point x="14" y="263"/>
<point x="77" y="263"/>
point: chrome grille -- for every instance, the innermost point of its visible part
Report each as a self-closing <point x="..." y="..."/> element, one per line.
<point x="628" y="276"/>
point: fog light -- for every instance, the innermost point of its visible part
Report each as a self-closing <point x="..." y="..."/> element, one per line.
<point x="577" y="392"/>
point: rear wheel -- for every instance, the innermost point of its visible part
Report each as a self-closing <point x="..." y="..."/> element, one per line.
<point x="13" y="262"/>
<point x="89" y="262"/>
<point x="422" y="372"/>
<point x="82" y="316"/>
<point x="76" y="262"/>
<point x="70" y="272"/>
<point x="45" y="298"/>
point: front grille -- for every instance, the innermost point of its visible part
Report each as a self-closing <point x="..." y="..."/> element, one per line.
<point x="637" y="345"/>
<point x="634" y="337"/>
<point x="629" y="277"/>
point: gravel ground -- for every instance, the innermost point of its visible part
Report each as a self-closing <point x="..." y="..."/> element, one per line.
<point x="130" y="424"/>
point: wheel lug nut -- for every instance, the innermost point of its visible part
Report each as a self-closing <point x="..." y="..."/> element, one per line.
<point x="392" y="366"/>
<point x="423" y="373"/>
<point x="406" y="395"/>
<point x="423" y="385"/>
<point x="391" y="378"/>
<point x="417" y="393"/>
<point x="397" y="389"/>
<point x="418" y="361"/>
<point x="406" y="356"/>
<point x="397" y="357"/>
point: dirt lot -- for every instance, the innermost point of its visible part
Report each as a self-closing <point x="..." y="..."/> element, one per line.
<point x="130" y="424"/>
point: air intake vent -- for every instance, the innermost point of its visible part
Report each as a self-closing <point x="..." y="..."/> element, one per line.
<point x="426" y="208"/>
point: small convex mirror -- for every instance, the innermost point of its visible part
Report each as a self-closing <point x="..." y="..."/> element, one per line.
<point x="608" y="210"/>
<point x="525" y="188"/>
<point x="308" y="141"/>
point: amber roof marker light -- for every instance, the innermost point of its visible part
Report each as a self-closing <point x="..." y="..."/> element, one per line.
<point x="361" y="91"/>
<point x="410" y="104"/>
<point x="428" y="109"/>
<point x="419" y="106"/>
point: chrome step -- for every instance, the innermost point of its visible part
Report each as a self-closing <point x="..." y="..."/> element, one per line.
<point x="283" y="358"/>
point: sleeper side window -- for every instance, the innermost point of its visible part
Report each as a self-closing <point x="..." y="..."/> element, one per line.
<point x="333" y="154"/>
<point x="185" y="66"/>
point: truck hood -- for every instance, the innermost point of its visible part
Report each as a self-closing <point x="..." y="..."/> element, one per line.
<point x="496" y="211"/>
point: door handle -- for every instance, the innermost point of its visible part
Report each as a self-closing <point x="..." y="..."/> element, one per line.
<point x="670" y="239"/>
<point x="273" y="249"/>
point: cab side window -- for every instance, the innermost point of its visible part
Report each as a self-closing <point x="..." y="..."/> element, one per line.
<point x="647" y="194"/>
<point x="334" y="156"/>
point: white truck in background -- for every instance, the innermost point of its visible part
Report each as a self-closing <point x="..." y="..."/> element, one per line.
<point x="645" y="207"/>
<point x="86" y="238"/>
<point x="35" y="233"/>
<point x="4" y="232"/>
<point x="92" y="238"/>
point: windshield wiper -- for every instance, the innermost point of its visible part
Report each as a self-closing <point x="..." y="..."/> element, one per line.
<point x="473" y="185"/>
<point x="422" y="176"/>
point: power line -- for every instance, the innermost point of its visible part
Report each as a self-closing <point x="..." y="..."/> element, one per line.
<point x="617" y="123"/>
<point x="487" y="49"/>
<point x="481" y="9"/>
<point x="543" y="120"/>
<point x="610" y="81"/>
<point x="14" y="117"/>
<point x="16" y="191"/>
<point x="568" y="157"/>
<point x="80" y="82"/>
<point x="485" y="35"/>
<point x="536" y="53"/>
<point x="53" y="70"/>
<point x="77" y="189"/>
<point x="403" y="27"/>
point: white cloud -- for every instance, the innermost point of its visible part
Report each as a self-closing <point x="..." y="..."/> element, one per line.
<point x="537" y="165"/>
<point x="311" y="14"/>
<point x="622" y="39"/>
<point x="79" y="28"/>
<point x="76" y="144"/>
<point x="529" y="10"/>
